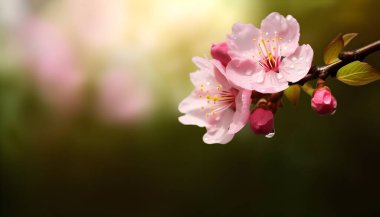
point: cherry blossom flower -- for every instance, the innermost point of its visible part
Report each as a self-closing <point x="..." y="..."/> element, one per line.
<point x="266" y="59"/>
<point x="53" y="64"/>
<point x="122" y="98"/>
<point x="215" y="104"/>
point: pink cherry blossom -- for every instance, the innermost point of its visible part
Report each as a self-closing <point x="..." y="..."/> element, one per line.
<point x="122" y="98"/>
<point x="215" y="103"/>
<point x="266" y="59"/>
<point x="53" y="63"/>
<point x="323" y="102"/>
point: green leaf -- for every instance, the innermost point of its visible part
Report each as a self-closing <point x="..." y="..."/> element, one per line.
<point x="348" y="37"/>
<point x="333" y="49"/>
<point x="357" y="73"/>
<point x="308" y="88"/>
<point x="293" y="94"/>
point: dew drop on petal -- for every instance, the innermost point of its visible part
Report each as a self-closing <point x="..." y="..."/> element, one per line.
<point x="294" y="59"/>
<point x="292" y="66"/>
<point x="333" y="112"/>
<point x="249" y="72"/>
<point x="279" y="76"/>
<point x="270" y="135"/>
<point x="260" y="79"/>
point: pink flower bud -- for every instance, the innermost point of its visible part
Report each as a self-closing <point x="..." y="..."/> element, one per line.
<point x="261" y="121"/>
<point x="220" y="52"/>
<point x="323" y="102"/>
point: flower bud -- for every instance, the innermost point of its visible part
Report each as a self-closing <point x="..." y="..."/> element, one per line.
<point x="323" y="102"/>
<point x="261" y="121"/>
<point x="220" y="52"/>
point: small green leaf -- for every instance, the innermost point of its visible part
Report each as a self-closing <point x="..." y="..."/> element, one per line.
<point x="348" y="37"/>
<point x="357" y="73"/>
<point x="293" y="94"/>
<point x="333" y="49"/>
<point x="308" y="88"/>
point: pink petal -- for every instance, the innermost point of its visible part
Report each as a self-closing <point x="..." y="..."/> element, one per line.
<point x="272" y="83"/>
<point x="244" y="73"/>
<point x="297" y="65"/>
<point x="204" y="74"/>
<point x="220" y="74"/>
<point x="240" y="42"/>
<point x="287" y="28"/>
<point x="219" y="132"/>
<point x="191" y="106"/>
<point x="240" y="118"/>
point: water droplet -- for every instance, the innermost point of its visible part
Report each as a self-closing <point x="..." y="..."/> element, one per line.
<point x="292" y="66"/>
<point x="279" y="76"/>
<point x="332" y="113"/>
<point x="267" y="33"/>
<point x="270" y="135"/>
<point x="260" y="79"/>
<point x="294" y="58"/>
<point x="249" y="72"/>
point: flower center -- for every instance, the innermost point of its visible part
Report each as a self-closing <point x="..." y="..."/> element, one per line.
<point x="269" y="53"/>
<point x="218" y="99"/>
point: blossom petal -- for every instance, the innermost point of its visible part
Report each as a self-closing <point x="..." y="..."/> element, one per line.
<point x="272" y="83"/>
<point x="241" y="115"/>
<point x="219" y="132"/>
<point x="220" y="74"/>
<point x="244" y="73"/>
<point x="240" y="42"/>
<point x="191" y="106"/>
<point x="297" y="65"/>
<point x="205" y="72"/>
<point x="286" y="28"/>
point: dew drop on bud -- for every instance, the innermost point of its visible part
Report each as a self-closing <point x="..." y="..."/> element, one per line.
<point x="270" y="135"/>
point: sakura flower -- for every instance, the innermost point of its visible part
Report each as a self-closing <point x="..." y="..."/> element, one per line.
<point x="53" y="64"/>
<point x="123" y="98"/>
<point x="266" y="59"/>
<point x="215" y="103"/>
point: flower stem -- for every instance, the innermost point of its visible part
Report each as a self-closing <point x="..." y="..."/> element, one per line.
<point x="346" y="57"/>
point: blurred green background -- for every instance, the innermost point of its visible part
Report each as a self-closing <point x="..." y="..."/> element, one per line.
<point x="89" y="91"/>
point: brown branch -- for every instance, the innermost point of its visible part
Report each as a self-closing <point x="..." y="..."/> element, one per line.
<point x="345" y="58"/>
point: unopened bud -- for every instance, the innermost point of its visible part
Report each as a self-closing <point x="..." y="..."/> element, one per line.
<point x="220" y="52"/>
<point x="323" y="102"/>
<point x="261" y="121"/>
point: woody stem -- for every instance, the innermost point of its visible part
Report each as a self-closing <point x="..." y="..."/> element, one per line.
<point x="346" y="57"/>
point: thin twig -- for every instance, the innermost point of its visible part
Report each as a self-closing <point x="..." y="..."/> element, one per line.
<point x="345" y="58"/>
